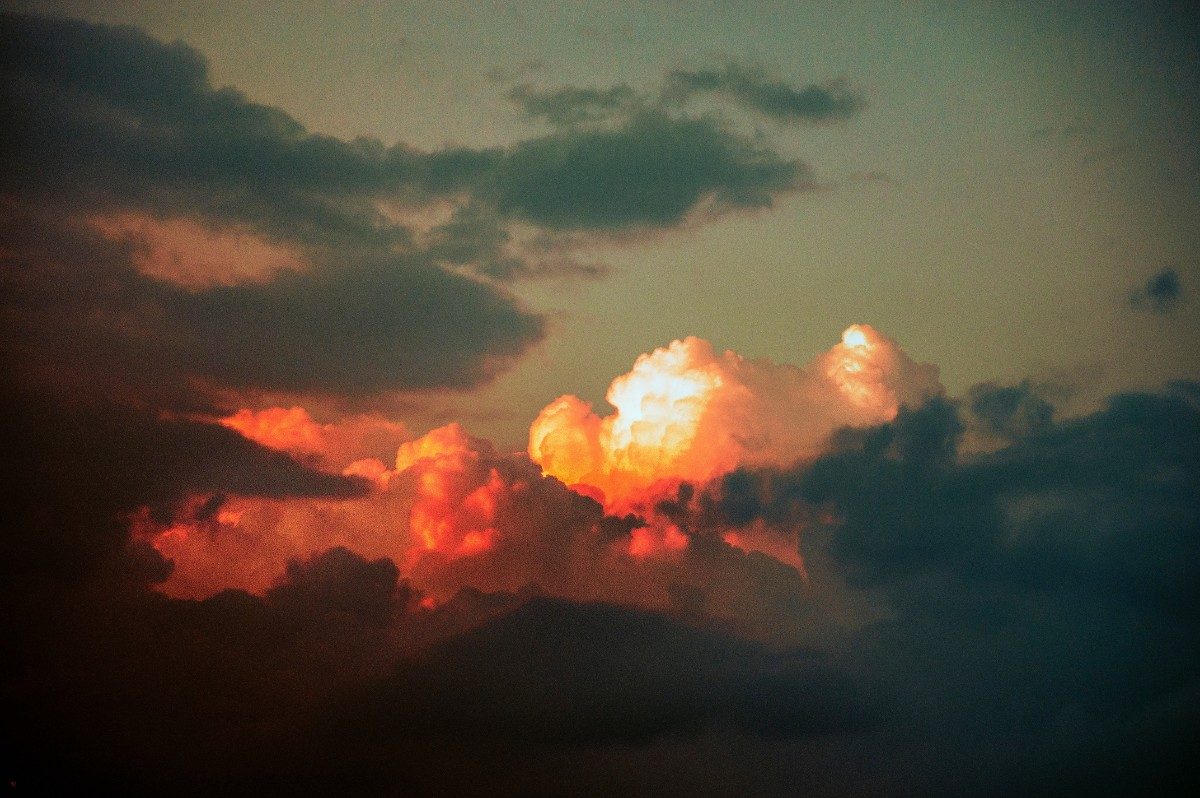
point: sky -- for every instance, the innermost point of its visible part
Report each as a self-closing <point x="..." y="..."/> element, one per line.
<point x="625" y="397"/>
<point x="1012" y="173"/>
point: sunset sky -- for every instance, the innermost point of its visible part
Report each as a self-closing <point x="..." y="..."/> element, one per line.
<point x="626" y="398"/>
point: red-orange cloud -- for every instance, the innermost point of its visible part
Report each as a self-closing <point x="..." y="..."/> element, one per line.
<point x="452" y="513"/>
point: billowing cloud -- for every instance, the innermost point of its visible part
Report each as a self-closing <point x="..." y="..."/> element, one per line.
<point x="685" y="412"/>
<point x="1032" y="604"/>
<point x="455" y="514"/>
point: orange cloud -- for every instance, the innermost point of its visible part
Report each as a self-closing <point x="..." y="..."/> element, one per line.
<point x="452" y="513"/>
<point x="195" y="256"/>
<point x="288" y="429"/>
<point x="343" y="444"/>
<point x="686" y="413"/>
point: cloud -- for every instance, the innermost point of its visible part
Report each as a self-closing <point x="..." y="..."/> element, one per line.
<point x="524" y="677"/>
<point x="78" y="472"/>
<point x="1056" y="501"/>
<point x="648" y="171"/>
<point x="774" y="99"/>
<point x="352" y="325"/>
<point x="570" y="105"/>
<point x="112" y="119"/>
<point x="159" y="224"/>
<point x="1030" y="608"/>
<point x="482" y="241"/>
<point x="1010" y="411"/>
<point x="1038" y="595"/>
<point x="367" y="327"/>
<point x="337" y="444"/>
<point x="128" y="173"/>
<point x="1160" y="294"/>
<point x="864" y="604"/>
<point x="686" y="412"/>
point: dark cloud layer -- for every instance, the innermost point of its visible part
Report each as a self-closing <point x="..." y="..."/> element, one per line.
<point x="352" y="326"/>
<point x="1037" y="624"/>
<point x="558" y="673"/>
<point x="1160" y="293"/>
<point x="1045" y="595"/>
<point x="137" y="122"/>
<point x="774" y="99"/>
<point x="649" y="171"/>
<point x="107" y="123"/>
<point x="570" y="105"/>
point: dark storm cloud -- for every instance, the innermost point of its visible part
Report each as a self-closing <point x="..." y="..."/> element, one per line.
<point x="108" y="117"/>
<point x="559" y="673"/>
<point x="774" y="99"/>
<point x="1160" y="293"/>
<point x="1010" y="410"/>
<point x="354" y="325"/>
<point x="1101" y="503"/>
<point x="478" y="239"/>
<point x="75" y="473"/>
<point x="1036" y="636"/>
<point x="647" y="172"/>
<point x="1044" y="595"/>
<point x="148" y="695"/>
<point x="107" y="120"/>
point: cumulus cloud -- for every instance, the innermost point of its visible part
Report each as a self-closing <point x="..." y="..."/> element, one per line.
<point x="1032" y="605"/>
<point x="685" y="412"/>
<point x="455" y="514"/>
